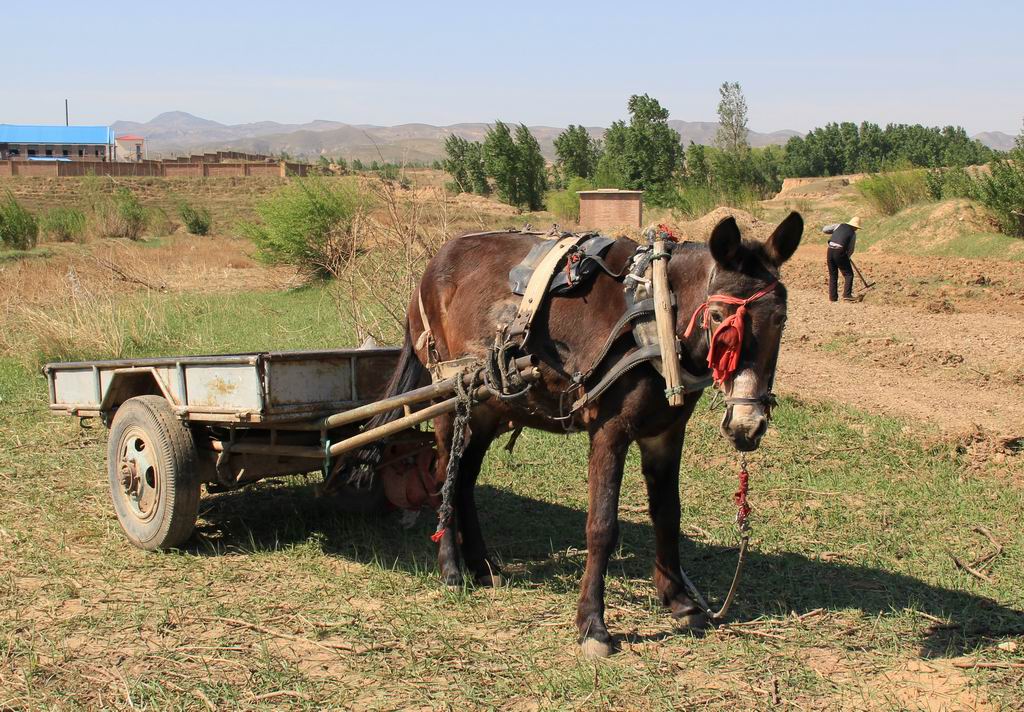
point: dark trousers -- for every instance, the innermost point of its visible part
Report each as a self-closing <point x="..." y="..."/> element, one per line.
<point x="839" y="261"/>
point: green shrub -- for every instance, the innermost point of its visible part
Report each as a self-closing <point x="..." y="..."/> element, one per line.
<point x="196" y="220"/>
<point x="889" y="193"/>
<point x="309" y="224"/>
<point x="693" y="201"/>
<point x="63" y="224"/>
<point x="946" y="183"/>
<point x="158" y="222"/>
<point x="19" y="229"/>
<point x="1002" y="192"/>
<point x="565" y="204"/>
<point x="120" y="215"/>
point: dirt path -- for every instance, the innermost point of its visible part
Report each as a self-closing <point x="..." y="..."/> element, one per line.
<point x="937" y="339"/>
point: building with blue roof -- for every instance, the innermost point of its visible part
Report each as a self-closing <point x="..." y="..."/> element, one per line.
<point x="88" y="143"/>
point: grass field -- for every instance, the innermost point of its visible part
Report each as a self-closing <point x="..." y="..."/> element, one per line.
<point x="850" y="595"/>
<point x="851" y="598"/>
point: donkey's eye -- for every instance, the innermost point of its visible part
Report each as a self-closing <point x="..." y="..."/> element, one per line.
<point x="781" y="320"/>
<point x="716" y="317"/>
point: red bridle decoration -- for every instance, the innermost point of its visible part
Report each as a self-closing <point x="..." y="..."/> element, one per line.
<point x="666" y="231"/>
<point x="727" y="341"/>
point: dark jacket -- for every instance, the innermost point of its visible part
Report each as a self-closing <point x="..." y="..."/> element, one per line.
<point x="842" y="235"/>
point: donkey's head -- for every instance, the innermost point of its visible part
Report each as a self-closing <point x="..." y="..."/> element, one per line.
<point x="739" y="326"/>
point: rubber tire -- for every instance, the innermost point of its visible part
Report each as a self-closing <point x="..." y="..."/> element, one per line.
<point x="177" y="504"/>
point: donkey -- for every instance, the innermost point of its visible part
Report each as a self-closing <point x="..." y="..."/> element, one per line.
<point x="464" y="294"/>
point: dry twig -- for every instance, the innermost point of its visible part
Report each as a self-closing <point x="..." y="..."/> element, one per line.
<point x="345" y="647"/>
<point x="971" y="570"/>
<point x="995" y="665"/>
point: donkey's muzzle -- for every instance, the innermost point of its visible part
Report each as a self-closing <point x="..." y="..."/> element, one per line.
<point x="744" y="426"/>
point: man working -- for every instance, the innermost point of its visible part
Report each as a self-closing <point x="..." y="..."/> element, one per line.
<point x="840" y="247"/>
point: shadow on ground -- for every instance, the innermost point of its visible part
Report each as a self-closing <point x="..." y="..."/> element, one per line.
<point x="524" y="532"/>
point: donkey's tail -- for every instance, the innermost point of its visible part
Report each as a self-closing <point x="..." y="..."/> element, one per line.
<point x="409" y="374"/>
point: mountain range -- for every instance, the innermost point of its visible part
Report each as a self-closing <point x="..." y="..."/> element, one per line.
<point x="178" y="132"/>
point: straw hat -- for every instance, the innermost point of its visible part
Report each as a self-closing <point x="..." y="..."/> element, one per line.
<point x="854" y="222"/>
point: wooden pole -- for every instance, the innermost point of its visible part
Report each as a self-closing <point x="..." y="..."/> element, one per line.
<point x="440" y="389"/>
<point x="665" y="323"/>
<point x="529" y="373"/>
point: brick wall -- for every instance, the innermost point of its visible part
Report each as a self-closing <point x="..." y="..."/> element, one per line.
<point x="150" y="168"/>
<point x="35" y="168"/>
<point x="101" y="168"/>
<point x="263" y="169"/>
<point x="219" y="170"/>
<point x="606" y="211"/>
<point x="183" y="170"/>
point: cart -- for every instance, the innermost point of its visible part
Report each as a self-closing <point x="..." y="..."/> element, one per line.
<point x="176" y="424"/>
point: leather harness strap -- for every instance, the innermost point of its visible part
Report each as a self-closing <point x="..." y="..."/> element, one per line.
<point x="537" y="289"/>
<point x="630" y="361"/>
<point x="636" y="311"/>
<point x="427" y="337"/>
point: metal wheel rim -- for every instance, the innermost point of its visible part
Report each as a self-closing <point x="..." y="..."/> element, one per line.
<point x="139" y="478"/>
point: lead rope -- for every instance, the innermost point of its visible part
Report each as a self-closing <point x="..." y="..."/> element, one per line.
<point x="463" y="407"/>
<point x="743" y="527"/>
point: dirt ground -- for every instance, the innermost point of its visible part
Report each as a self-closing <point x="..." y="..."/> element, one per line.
<point x="935" y="339"/>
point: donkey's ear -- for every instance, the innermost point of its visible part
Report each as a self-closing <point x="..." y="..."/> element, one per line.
<point x="784" y="241"/>
<point x="725" y="243"/>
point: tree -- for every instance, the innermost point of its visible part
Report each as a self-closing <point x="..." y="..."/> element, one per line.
<point x="578" y="152"/>
<point x="1018" y="145"/>
<point x="731" y="136"/>
<point x="464" y="163"/>
<point x="516" y="165"/>
<point x="500" y="157"/>
<point x="731" y="165"/>
<point x="533" y="177"/>
<point x="698" y="171"/>
<point x="644" y="154"/>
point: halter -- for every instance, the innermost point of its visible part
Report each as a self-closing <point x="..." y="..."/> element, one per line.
<point x="726" y="343"/>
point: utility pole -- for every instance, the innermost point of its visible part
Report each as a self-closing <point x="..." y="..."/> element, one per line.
<point x="66" y="123"/>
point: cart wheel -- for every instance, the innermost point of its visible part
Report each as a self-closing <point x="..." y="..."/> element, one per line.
<point x="152" y="465"/>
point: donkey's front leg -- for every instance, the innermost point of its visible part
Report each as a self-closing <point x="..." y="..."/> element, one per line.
<point x="660" y="456"/>
<point x="608" y="446"/>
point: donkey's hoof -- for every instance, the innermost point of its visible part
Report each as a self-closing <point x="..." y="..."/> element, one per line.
<point x="693" y="620"/>
<point x="592" y="649"/>
<point x="453" y="579"/>
<point x="490" y="580"/>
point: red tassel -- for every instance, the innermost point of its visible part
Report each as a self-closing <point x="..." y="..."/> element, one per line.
<point x="740" y="498"/>
<point x="436" y="536"/>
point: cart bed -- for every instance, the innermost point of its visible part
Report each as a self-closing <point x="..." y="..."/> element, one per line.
<point x="266" y="387"/>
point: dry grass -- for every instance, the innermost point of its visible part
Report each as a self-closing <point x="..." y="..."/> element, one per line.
<point x="388" y="256"/>
<point x="850" y="599"/>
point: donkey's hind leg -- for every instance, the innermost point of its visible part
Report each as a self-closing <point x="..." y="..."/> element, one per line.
<point x="660" y="456"/>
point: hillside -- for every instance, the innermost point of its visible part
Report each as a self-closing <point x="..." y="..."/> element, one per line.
<point x="181" y="132"/>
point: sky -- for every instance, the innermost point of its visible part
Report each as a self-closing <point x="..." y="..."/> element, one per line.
<point x="801" y="64"/>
